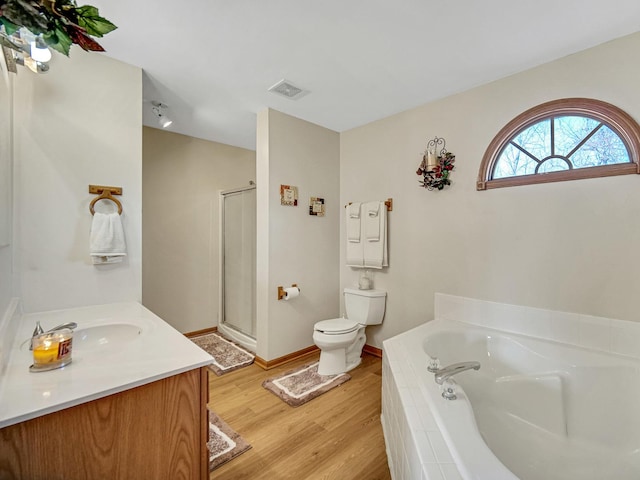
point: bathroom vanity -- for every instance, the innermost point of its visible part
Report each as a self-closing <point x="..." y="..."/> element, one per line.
<point x="132" y="403"/>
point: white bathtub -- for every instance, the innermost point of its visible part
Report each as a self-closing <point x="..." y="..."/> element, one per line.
<point x="536" y="409"/>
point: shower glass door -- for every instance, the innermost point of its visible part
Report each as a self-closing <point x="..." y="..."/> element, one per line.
<point x="239" y="260"/>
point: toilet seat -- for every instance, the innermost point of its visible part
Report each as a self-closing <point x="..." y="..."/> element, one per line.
<point x="336" y="326"/>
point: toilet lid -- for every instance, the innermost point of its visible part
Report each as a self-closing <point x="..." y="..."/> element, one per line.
<point x="336" y="326"/>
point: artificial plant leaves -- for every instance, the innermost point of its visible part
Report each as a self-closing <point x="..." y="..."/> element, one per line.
<point x="60" y="22"/>
<point x="92" y="22"/>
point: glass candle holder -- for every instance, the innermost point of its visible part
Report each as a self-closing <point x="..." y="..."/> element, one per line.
<point x="52" y="350"/>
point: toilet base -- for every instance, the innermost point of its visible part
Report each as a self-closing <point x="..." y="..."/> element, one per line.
<point x="341" y="360"/>
<point x="332" y="362"/>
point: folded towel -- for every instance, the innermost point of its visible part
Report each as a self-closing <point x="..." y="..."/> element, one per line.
<point x="353" y="222"/>
<point x="355" y="252"/>
<point x="354" y="210"/>
<point x="376" y="252"/>
<point x="355" y="255"/>
<point x="106" y="240"/>
<point x="372" y="221"/>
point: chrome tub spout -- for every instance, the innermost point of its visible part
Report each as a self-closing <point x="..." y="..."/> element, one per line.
<point x="443" y="374"/>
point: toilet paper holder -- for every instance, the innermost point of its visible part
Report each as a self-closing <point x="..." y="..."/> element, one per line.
<point x="281" y="293"/>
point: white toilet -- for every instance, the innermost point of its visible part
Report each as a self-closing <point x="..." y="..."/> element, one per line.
<point x="341" y="340"/>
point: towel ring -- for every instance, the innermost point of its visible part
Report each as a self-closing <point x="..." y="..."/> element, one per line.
<point x="105" y="195"/>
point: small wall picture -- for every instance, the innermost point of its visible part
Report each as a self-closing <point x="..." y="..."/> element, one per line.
<point x="288" y="195"/>
<point x="316" y="206"/>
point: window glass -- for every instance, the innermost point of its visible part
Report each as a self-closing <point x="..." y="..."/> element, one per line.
<point x="570" y="130"/>
<point x="603" y="148"/>
<point x="559" y="144"/>
<point x="514" y="162"/>
<point x="554" y="164"/>
<point x="536" y="139"/>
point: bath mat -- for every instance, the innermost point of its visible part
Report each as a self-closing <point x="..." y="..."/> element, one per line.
<point x="303" y="384"/>
<point x="227" y="356"/>
<point x="224" y="443"/>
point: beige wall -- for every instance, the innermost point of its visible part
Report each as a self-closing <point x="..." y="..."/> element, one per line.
<point x="181" y="183"/>
<point x="565" y="246"/>
<point x="77" y="125"/>
<point x="293" y="246"/>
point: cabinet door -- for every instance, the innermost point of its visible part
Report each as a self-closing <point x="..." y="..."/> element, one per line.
<point x="150" y="432"/>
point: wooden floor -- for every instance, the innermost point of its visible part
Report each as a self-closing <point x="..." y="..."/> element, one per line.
<point x="335" y="436"/>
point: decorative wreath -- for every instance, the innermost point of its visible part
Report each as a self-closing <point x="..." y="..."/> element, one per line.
<point x="435" y="167"/>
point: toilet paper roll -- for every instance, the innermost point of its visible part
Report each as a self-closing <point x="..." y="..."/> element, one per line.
<point x="291" y="292"/>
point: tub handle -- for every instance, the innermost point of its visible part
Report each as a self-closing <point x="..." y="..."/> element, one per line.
<point x="449" y="390"/>
<point x="434" y="364"/>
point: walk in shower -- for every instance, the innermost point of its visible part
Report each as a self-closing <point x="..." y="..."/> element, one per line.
<point x="238" y="265"/>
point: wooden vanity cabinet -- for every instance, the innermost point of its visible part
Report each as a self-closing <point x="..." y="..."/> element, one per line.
<point x="155" y="431"/>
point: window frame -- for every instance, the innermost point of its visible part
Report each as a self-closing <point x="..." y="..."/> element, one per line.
<point x="613" y="117"/>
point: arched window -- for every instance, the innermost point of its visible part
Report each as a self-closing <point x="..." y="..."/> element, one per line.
<point x="566" y="139"/>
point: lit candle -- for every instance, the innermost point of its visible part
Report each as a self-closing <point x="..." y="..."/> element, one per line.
<point x="46" y="352"/>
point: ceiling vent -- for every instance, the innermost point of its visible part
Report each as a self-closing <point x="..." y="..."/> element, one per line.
<point x="288" y="89"/>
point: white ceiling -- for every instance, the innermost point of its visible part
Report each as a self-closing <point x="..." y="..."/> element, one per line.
<point x="212" y="61"/>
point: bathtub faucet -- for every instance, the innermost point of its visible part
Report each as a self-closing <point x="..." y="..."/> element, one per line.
<point x="443" y="374"/>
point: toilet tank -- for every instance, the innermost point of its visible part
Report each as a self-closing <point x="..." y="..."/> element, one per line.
<point x="365" y="306"/>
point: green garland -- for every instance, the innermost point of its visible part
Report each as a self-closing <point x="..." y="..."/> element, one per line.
<point x="60" y="22"/>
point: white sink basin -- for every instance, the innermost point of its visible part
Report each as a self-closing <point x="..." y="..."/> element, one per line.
<point x="105" y="336"/>
<point x="101" y="337"/>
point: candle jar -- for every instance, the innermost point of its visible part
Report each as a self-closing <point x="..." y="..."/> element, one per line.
<point x="52" y="350"/>
<point x="364" y="283"/>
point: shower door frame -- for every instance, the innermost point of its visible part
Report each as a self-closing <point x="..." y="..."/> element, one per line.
<point x="247" y="341"/>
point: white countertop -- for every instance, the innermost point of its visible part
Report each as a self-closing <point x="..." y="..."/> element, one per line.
<point x="159" y="351"/>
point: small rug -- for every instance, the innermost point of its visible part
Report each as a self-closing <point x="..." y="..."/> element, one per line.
<point x="303" y="384"/>
<point x="227" y="356"/>
<point x="224" y="443"/>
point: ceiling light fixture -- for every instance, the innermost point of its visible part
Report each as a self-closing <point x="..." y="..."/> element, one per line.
<point x="158" y="109"/>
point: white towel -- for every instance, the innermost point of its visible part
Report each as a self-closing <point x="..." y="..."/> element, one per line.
<point x="372" y="221"/>
<point x="375" y="252"/>
<point x="106" y="240"/>
<point x="355" y="254"/>
<point x="353" y="222"/>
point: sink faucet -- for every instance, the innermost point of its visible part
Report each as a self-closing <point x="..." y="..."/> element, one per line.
<point x="39" y="331"/>
<point x="443" y="374"/>
<point x="70" y="326"/>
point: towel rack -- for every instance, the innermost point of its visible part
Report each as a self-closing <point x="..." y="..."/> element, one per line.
<point x="106" y="193"/>
<point x="388" y="203"/>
